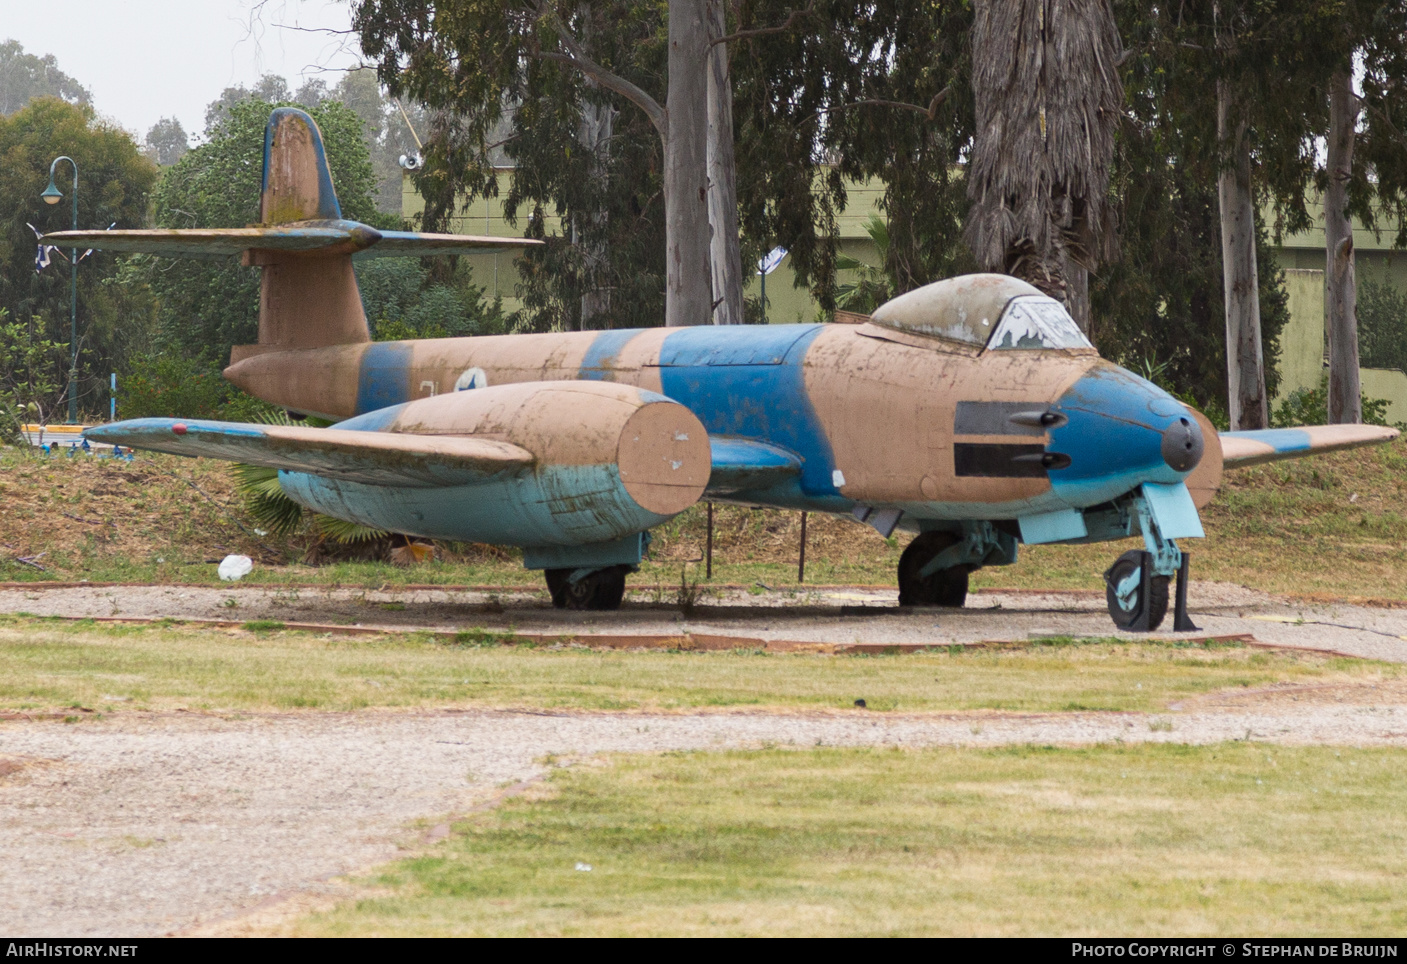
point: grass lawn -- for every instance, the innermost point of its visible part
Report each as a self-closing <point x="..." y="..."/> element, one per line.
<point x="1112" y="840"/>
<point x="53" y="665"/>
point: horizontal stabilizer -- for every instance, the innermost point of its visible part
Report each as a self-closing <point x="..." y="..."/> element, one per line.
<point x="412" y="244"/>
<point x="309" y="237"/>
<point x="742" y="465"/>
<point x="376" y="458"/>
<point x="1271" y="444"/>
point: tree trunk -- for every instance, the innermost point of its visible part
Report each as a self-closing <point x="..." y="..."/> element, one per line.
<point x="687" y="299"/>
<point x="1077" y="295"/>
<point x="725" y="249"/>
<point x="596" y="126"/>
<point x="1340" y="297"/>
<point x="1245" y="368"/>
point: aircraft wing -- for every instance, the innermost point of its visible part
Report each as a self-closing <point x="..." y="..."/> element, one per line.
<point x="743" y="465"/>
<point x="376" y="458"/>
<point x="1271" y="444"/>
<point x="329" y="237"/>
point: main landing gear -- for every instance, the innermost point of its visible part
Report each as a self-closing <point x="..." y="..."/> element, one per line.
<point x="600" y="589"/>
<point x="934" y="568"/>
<point x="943" y="587"/>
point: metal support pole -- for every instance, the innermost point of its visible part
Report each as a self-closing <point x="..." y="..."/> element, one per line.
<point x="1182" y="623"/>
<point x="708" y="551"/>
<point x="801" y="564"/>
<point x="51" y="195"/>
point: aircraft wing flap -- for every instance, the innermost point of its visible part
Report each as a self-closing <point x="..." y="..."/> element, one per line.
<point x="742" y="465"/>
<point x="1272" y="444"/>
<point x="376" y="458"/>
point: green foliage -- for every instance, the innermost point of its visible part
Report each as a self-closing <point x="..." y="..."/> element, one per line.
<point x="23" y="77"/>
<point x="1382" y="326"/>
<point x="872" y="286"/>
<point x="114" y="183"/>
<point x="1162" y="297"/>
<point x="171" y="385"/>
<point x="207" y="307"/>
<point x="1310" y="406"/>
<point x="265" y="501"/>
<point x="25" y="380"/>
<point x="401" y="302"/>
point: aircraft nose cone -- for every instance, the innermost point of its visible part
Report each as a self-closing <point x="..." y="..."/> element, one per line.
<point x="1183" y="445"/>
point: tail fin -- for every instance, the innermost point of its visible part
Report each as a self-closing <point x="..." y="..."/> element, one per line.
<point x="306" y="299"/>
<point x="297" y="184"/>
<point x="308" y="296"/>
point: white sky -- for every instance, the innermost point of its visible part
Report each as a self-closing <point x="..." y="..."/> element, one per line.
<point x="147" y="59"/>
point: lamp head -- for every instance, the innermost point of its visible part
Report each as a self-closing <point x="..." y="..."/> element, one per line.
<point x="51" y="193"/>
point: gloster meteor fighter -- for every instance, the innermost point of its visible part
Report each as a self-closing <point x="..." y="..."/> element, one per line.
<point x="971" y="411"/>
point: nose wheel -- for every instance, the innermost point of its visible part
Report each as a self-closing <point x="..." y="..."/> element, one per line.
<point x="1137" y="595"/>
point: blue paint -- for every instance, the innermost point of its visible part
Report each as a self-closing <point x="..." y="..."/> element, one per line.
<point x="1057" y="526"/>
<point x="709" y="346"/>
<point x="384" y="378"/>
<point x="1280" y="439"/>
<point x="1173" y="511"/>
<point x="600" y="361"/>
<point x="135" y="431"/>
<point x="552" y="505"/>
<point x="328" y="208"/>
<point x="765" y="401"/>
<point x="1114" y="437"/>
<point x="621" y="552"/>
<point x="742" y="464"/>
<point x="379" y="420"/>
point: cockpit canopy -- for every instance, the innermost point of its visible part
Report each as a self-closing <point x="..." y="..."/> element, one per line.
<point x="985" y="310"/>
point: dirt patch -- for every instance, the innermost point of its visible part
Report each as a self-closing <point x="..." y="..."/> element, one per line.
<point x="1366" y="693"/>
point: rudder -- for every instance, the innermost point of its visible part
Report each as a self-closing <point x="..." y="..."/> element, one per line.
<point x="297" y="185"/>
<point x="306" y="299"/>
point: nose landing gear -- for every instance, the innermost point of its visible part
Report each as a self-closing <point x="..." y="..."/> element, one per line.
<point x="1137" y="594"/>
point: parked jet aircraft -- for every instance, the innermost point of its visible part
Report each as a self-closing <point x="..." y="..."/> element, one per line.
<point x="971" y="411"/>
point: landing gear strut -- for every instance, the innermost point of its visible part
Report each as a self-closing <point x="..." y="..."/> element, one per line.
<point x="601" y="589"/>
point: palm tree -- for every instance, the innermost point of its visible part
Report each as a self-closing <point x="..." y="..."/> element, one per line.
<point x="871" y="286"/>
<point x="1048" y="101"/>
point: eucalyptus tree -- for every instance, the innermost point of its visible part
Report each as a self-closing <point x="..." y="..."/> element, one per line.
<point x="1241" y="81"/>
<point x="476" y="58"/>
<point x="1048" y="99"/>
<point x="852" y="90"/>
<point x="1370" y="33"/>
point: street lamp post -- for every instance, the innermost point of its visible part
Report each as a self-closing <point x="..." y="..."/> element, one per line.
<point x="52" y="195"/>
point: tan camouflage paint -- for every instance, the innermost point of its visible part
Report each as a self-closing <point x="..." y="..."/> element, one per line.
<point x="291" y="178"/>
<point x="889" y="408"/>
<point x="661" y="447"/>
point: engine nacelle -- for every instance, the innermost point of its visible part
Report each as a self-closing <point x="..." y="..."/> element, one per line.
<point x="610" y="460"/>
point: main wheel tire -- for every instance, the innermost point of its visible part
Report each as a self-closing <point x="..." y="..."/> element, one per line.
<point x="1157" y="601"/>
<point x="601" y="590"/>
<point x="946" y="587"/>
